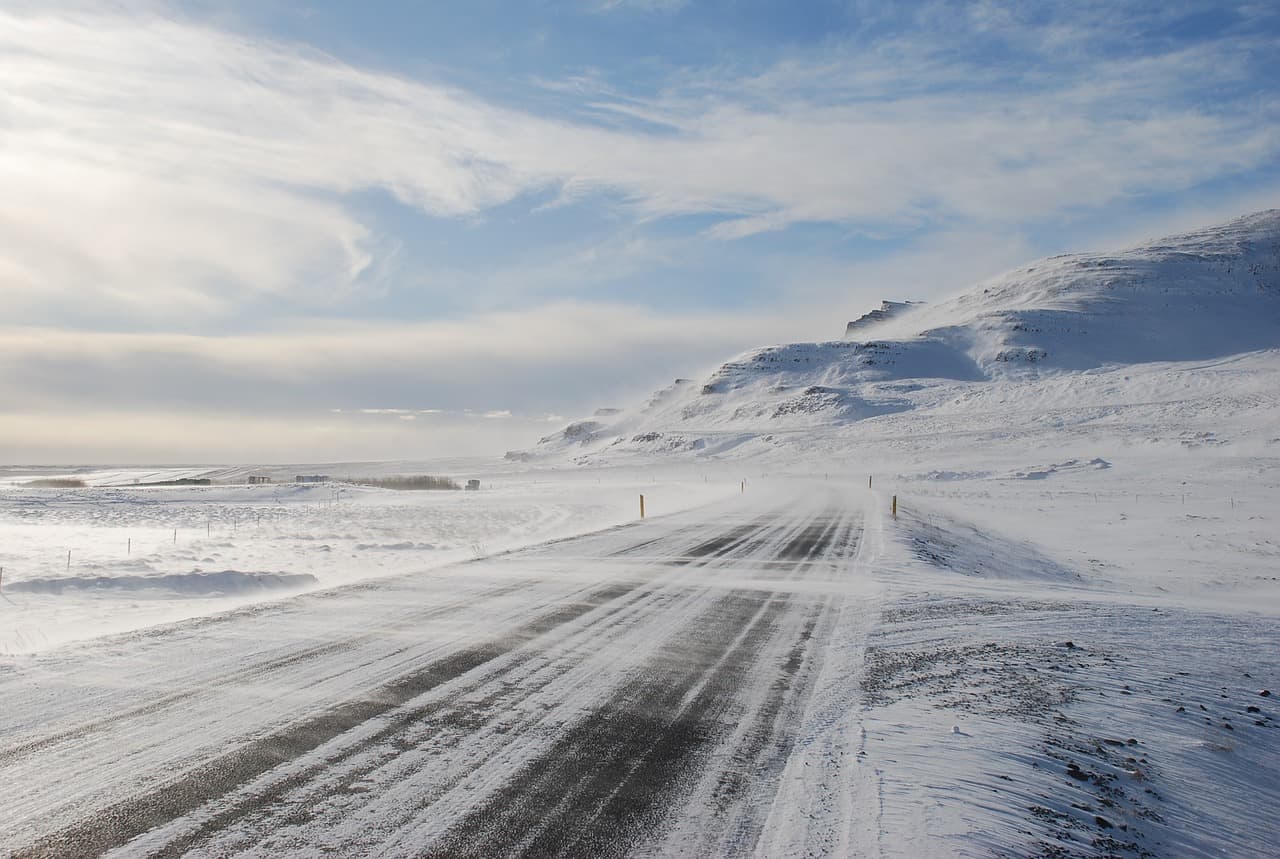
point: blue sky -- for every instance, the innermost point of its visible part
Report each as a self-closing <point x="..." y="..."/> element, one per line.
<point x="284" y="230"/>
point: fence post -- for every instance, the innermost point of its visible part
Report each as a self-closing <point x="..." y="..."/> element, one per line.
<point x="895" y="507"/>
<point x="641" y="506"/>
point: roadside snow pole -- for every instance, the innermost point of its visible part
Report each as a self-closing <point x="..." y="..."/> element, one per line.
<point x="895" y="507"/>
<point x="129" y="549"/>
<point x="68" y="559"/>
<point x="641" y="506"/>
<point x="868" y="481"/>
<point x="744" y="487"/>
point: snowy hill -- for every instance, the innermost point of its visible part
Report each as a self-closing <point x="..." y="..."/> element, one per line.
<point x="1084" y="330"/>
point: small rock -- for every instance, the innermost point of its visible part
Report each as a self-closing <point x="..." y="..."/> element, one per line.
<point x="1102" y="821"/>
<point x="1131" y="741"/>
<point x="1227" y="725"/>
<point x="1265" y="693"/>
<point x="1076" y="773"/>
<point x="1252" y="709"/>
<point x="1180" y="710"/>
<point x="1070" y="645"/>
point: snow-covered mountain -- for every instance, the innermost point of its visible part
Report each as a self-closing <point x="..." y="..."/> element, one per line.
<point x="1082" y="329"/>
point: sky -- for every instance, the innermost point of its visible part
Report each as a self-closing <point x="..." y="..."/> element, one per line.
<point x="269" y="231"/>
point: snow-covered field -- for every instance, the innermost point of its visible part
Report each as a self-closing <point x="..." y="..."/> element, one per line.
<point x="141" y="555"/>
<point x="1040" y="655"/>
<point x="1065" y="643"/>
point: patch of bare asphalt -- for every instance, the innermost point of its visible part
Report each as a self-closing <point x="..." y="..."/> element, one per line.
<point x="120" y="823"/>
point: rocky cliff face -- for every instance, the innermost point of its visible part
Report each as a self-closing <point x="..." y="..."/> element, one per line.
<point x="886" y="311"/>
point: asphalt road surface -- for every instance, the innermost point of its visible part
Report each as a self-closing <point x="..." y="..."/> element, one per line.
<point x="637" y="691"/>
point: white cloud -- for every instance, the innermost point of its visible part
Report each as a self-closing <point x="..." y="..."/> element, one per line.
<point x="166" y="170"/>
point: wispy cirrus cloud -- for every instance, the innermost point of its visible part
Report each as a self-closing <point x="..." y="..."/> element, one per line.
<point x="159" y="168"/>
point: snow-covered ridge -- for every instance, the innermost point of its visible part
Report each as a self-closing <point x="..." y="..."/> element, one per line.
<point x="1200" y="296"/>
<point x="1205" y="294"/>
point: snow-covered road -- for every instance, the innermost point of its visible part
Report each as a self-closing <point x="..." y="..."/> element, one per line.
<point x="650" y="688"/>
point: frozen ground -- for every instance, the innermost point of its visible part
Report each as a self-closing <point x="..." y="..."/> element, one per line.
<point x="1060" y="657"/>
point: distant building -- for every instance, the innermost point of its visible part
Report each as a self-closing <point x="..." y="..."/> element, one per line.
<point x="311" y="478"/>
<point x="473" y="484"/>
<point x="256" y="478"/>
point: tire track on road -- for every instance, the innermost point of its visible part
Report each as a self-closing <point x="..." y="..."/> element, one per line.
<point x="610" y="780"/>
<point x="242" y="675"/>
<point x="746" y="785"/>
<point x="647" y="733"/>
<point x="118" y="824"/>
<point x="718" y="550"/>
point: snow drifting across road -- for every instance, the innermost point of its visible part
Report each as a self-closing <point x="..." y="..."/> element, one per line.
<point x="791" y="672"/>
<point x="639" y="689"/>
